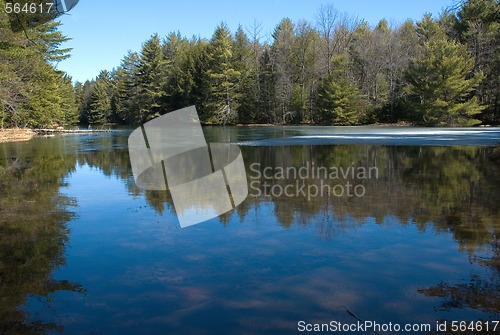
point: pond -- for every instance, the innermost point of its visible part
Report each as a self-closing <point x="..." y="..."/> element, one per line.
<point x="340" y="226"/>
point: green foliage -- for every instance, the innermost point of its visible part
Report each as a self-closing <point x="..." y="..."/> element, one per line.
<point x="151" y="79"/>
<point x="83" y="93"/>
<point x="306" y="47"/>
<point x="32" y="92"/>
<point x="180" y="79"/>
<point x="33" y="231"/>
<point x="48" y="40"/>
<point x="267" y="84"/>
<point x="434" y="72"/>
<point x="283" y="58"/>
<point x="100" y="100"/>
<point x="222" y="78"/>
<point x="246" y="88"/>
<point x="441" y="82"/>
<point x="477" y="25"/>
<point x="125" y="90"/>
<point x="338" y="98"/>
<point x="68" y="103"/>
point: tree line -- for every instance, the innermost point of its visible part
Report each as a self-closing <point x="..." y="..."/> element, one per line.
<point x="335" y="71"/>
<point x="33" y="93"/>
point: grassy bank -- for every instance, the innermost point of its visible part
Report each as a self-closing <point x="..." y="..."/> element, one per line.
<point x="16" y="134"/>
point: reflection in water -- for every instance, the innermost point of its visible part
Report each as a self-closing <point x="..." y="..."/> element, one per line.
<point x="33" y="231"/>
<point x="453" y="190"/>
<point x="421" y="244"/>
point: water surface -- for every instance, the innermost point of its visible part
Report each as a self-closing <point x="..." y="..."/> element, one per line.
<point x="84" y="251"/>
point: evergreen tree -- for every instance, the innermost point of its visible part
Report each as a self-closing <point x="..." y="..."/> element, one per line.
<point x="305" y="49"/>
<point x="44" y="108"/>
<point x="246" y="86"/>
<point x="283" y="60"/>
<point x="405" y="45"/>
<point x="180" y="84"/>
<point x="16" y="73"/>
<point x="222" y="103"/>
<point x="115" y="115"/>
<point x="151" y="79"/>
<point x="338" y="98"/>
<point x="195" y="77"/>
<point x="267" y="84"/>
<point x="126" y="90"/>
<point x="69" y="103"/>
<point x="32" y="92"/>
<point x="100" y="100"/>
<point x="84" y="92"/>
<point x="341" y="72"/>
<point x="478" y="26"/>
<point x="47" y="40"/>
<point x="52" y="99"/>
<point x="441" y="82"/>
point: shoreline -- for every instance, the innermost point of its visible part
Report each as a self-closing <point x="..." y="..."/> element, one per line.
<point x="26" y="134"/>
<point x="16" y="135"/>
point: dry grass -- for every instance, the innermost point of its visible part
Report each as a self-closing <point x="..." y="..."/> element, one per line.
<point x="17" y="134"/>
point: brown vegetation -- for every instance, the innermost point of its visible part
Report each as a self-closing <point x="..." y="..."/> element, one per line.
<point x="17" y="134"/>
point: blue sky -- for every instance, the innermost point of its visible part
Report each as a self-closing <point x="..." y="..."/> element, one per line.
<point x="103" y="31"/>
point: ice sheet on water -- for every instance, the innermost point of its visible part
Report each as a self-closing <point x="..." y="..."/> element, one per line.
<point x="386" y="136"/>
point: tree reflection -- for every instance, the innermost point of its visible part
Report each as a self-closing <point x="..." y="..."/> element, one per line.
<point x="480" y="292"/>
<point x="33" y="231"/>
<point x="449" y="189"/>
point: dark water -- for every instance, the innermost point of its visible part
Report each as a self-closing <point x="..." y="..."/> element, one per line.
<point x="84" y="251"/>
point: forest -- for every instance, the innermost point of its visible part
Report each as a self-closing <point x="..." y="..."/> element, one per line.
<point x="338" y="70"/>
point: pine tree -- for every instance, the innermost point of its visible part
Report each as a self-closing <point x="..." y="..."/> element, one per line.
<point x="283" y="59"/>
<point x="100" y="100"/>
<point x="267" y="93"/>
<point x="16" y="73"/>
<point x="68" y="101"/>
<point x="223" y="78"/>
<point x="338" y="98"/>
<point x="478" y="26"/>
<point x="32" y="92"/>
<point x="151" y="79"/>
<point x="195" y="78"/>
<point x="180" y="83"/>
<point x="441" y="82"/>
<point x="48" y="40"/>
<point x="84" y="92"/>
<point x="305" y="49"/>
<point x="125" y="95"/>
<point x="45" y="102"/>
<point x="246" y="86"/>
